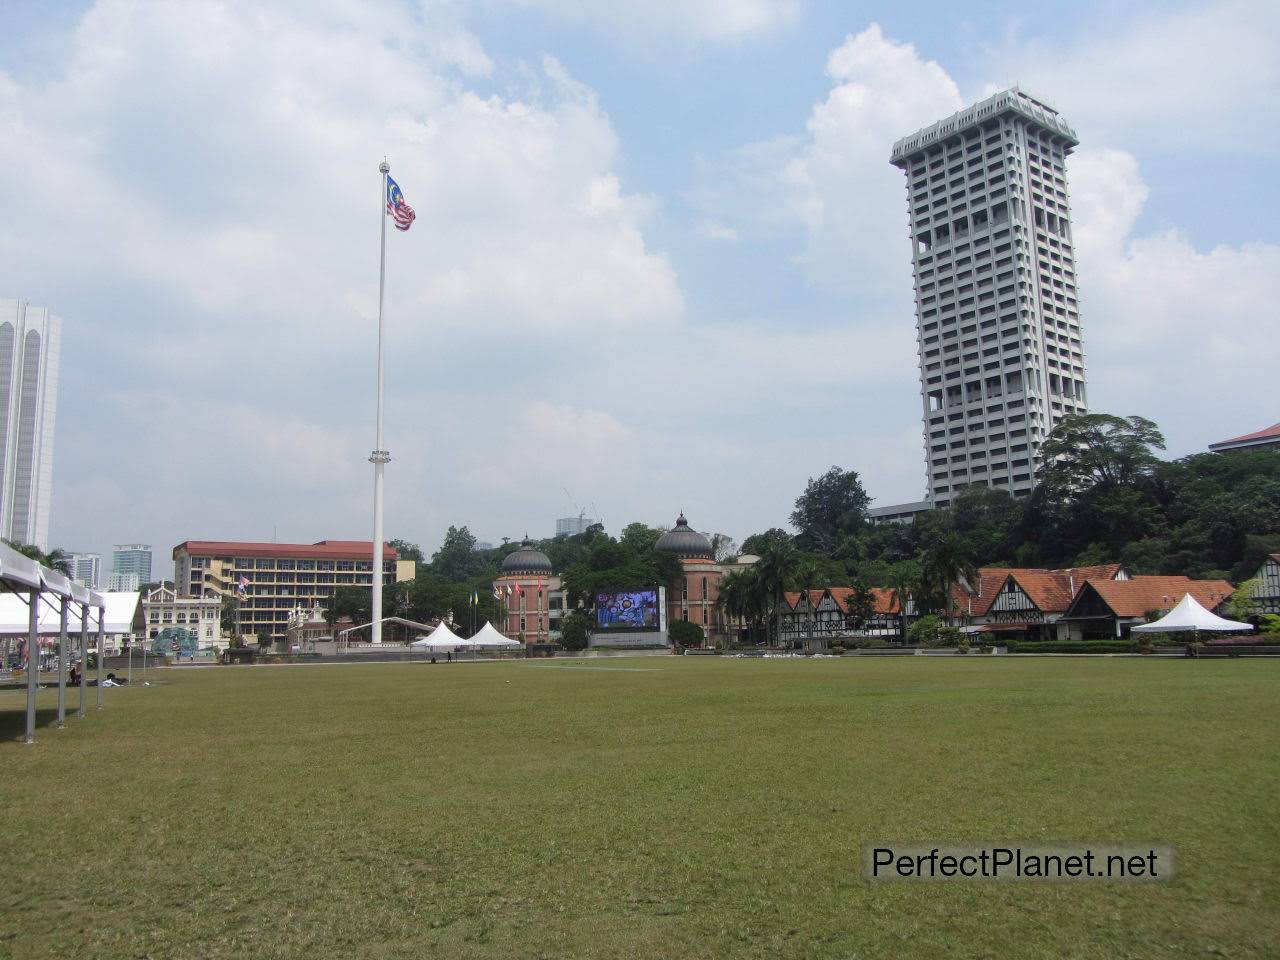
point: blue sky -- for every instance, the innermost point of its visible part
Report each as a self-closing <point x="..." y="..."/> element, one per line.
<point x="660" y="257"/>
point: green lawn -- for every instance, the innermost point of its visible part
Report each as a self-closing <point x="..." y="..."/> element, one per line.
<point x="640" y="808"/>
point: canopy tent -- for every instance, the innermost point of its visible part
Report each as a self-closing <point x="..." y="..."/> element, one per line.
<point x="1190" y="616"/>
<point x="441" y="638"/>
<point x="488" y="638"/>
<point x="120" y="612"/>
<point x="30" y="588"/>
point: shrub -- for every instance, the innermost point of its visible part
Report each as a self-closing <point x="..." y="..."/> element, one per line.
<point x="685" y="634"/>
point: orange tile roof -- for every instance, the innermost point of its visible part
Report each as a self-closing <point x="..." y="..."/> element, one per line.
<point x="1269" y="432"/>
<point x="1133" y="598"/>
<point x="1050" y="590"/>
<point x="882" y="596"/>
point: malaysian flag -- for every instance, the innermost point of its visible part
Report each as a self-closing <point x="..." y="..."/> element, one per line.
<point x="400" y="211"/>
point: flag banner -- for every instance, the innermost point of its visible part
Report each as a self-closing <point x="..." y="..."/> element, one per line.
<point x="400" y="211"/>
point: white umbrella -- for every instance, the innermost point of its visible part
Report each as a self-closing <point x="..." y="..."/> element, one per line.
<point x="1190" y="617"/>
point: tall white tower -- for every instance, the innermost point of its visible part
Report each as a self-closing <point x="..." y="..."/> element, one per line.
<point x="30" y="343"/>
<point x="1001" y="355"/>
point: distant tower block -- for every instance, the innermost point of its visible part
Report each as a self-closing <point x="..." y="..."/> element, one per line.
<point x="30" y="344"/>
<point x="998" y="323"/>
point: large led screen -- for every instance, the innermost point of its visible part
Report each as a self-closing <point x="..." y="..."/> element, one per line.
<point x="627" y="610"/>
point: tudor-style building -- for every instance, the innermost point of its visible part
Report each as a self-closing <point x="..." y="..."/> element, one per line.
<point x="1266" y="597"/>
<point x="1029" y="603"/>
<point x="812" y="619"/>
<point x="1110" y="608"/>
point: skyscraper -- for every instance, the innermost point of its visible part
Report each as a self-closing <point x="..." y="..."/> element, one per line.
<point x="30" y="342"/>
<point x="86" y="568"/>
<point x="998" y="325"/>
<point x="132" y="558"/>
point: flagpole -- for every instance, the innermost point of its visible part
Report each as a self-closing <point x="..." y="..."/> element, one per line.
<point x="379" y="457"/>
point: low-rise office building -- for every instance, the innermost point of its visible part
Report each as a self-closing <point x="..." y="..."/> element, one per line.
<point x="268" y="580"/>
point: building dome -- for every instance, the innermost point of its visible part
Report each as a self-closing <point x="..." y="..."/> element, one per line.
<point x="685" y="542"/>
<point x="528" y="559"/>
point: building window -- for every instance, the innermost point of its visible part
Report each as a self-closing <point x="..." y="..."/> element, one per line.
<point x="704" y="588"/>
<point x="684" y="589"/>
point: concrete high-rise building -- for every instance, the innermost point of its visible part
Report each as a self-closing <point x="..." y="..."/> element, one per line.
<point x="86" y="568"/>
<point x="124" y="583"/>
<point x="30" y="344"/>
<point x="998" y="323"/>
<point x="572" y="526"/>
<point x="132" y="558"/>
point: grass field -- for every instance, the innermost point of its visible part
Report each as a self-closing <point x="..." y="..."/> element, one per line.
<point x="641" y="808"/>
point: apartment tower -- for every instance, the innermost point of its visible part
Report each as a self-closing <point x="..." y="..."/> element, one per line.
<point x="30" y="344"/>
<point x="997" y="318"/>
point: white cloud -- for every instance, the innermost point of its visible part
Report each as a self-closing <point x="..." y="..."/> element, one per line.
<point x="1205" y="76"/>
<point x="715" y="230"/>
<point x="1172" y="332"/>
<point x="843" y="189"/>
<point x="720" y="20"/>
<point x="561" y="422"/>
<point x="196" y="194"/>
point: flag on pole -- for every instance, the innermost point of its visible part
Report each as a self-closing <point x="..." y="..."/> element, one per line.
<point x="400" y="211"/>
<point x="497" y="593"/>
<point x="242" y="586"/>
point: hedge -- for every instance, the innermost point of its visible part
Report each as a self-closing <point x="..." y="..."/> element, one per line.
<point x="1073" y="646"/>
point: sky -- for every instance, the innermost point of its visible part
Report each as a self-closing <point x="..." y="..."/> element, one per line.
<point x="660" y="261"/>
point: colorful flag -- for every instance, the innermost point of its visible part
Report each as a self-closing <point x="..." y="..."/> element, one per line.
<point x="497" y="593"/>
<point x="242" y="587"/>
<point x="400" y="211"/>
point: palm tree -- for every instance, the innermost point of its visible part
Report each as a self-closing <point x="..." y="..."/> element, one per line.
<point x="946" y="562"/>
<point x="776" y="569"/>
<point x="737" y="597"/>
<point x="807" y="576"/>
<point x="55" y="559"/>
<point x="904" y="587"/>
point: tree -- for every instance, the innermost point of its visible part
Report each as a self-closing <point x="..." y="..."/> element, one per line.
<point x="229" y="616"/>
<point x="775" y="571"/>
<point x="457" y="558"/>
<point x="353" y="602"/>
<point x="832" y="503"/>
<point x="741" y="598"/>
<point x="55" y="559"/>
<point x="945" y="562"/>
<point x="860" y="604"/>
<point x="1088" y="450"/>
<point x="406" y="550"/>
<point x="904" y="582"/>
<point x="575" y="630"/>
<point x="724" y="548"/>
<point x="264" y="639"/>
<point x="756" y="544"/>
<point x="1244" y="603"/>
<point x="685" y="634"/>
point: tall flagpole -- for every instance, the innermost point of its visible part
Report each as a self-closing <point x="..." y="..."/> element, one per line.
<point x="379" y="457"/>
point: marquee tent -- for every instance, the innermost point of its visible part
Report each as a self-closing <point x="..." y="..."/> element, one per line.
<point x="32" y="586"/>
<point x="1189" y="616"/>
<point x="490" y="639"/>
<point x="441" y="638"/>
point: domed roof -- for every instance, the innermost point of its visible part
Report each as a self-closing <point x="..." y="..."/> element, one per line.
<point x="528" y="559"/>
<point x="685" y="542"/>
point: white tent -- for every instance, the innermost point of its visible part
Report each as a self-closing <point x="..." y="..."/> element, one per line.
<point x="441" y="638"/>
<point x="1190" y="616"/>
<point x="488" y="638"/>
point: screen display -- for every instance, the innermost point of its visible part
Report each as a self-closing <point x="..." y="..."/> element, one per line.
<point x="627" y="610"/>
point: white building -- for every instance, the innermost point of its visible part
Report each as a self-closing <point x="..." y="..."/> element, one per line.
<point x="124" y="581"/>
<point x="163" y="608"/>
<point x="30" y="344"/>
<point x="998" y="323"/>
<point x="86" y="568"/>
<point x="132" y="558"/>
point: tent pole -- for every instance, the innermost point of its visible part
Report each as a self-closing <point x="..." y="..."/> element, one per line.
<point x="102" y="648"/>
<point x="62" y="665"/>
<point x="33" y="666"/>
<point x="84" y="653"/>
